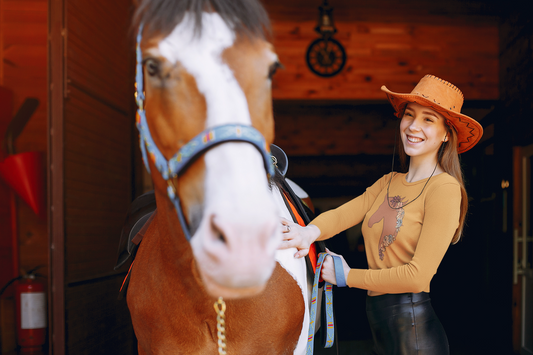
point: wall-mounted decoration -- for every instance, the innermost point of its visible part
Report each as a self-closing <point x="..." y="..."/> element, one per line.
<point x="325" y="56"/>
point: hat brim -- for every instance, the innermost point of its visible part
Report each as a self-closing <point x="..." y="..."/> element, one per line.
<point x="469" y="131"/>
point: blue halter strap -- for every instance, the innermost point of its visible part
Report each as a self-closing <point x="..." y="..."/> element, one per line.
<point x="171" y="169"/>
<point x="328" y="291"/>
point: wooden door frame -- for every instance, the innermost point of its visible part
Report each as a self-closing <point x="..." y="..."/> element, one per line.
<point x="56" y="233"/>
<point x="518" y="155"/>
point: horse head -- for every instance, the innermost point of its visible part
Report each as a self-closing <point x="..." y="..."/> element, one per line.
<point x="204" y="69"/>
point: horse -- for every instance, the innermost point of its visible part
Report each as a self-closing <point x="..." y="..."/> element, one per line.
<point x="203" y="90"/>
<point x="293" y="203"/>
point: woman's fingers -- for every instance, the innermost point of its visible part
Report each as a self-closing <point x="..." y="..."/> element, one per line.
<point x="285" y="220"/>
<point x="328" y="271"/>
<point x="301" y="253"/>
<point x="331" y="268"/>
<point x="332" y="253"/>
<point x="286" y="225"/>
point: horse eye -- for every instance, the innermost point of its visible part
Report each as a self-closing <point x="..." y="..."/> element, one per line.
<point x="273" y="68"/>
<point x="152" y="67"/>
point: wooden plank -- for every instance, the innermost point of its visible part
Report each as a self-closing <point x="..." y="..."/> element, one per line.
<point x="98" y="322"/>
<point x="104" y="253"/>
<point x="96" y="114"/>
<point x="26" y="55"/>
<point x="97" y="87"/>
<point x="116" y="216"/>
<point x="99" y="202"/>
<point x="91" y="186"/>
<point x="412" y="11"/>
<point x="334" y="129"/>
<point x="78" y="271"/>
<point x="30" y="15"/>
<point x="25" y="5"/>
<point x="94" y="149"/>
<point x="88" y="47"/>
<point x="58" y="326"/>
<point x="78" y="171"/>
<point x="113" y="37"/>
<point x="336" y="176"/>
<point x="27" y="33"/>
<point x="392" y="54"/>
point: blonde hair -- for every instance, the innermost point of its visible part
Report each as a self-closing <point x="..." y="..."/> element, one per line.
<point x="449" y="161"/>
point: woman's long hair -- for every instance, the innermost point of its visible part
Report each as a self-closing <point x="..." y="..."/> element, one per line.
<point x="449" y="161"/>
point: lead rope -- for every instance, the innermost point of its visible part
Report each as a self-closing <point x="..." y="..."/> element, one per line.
<point x="328" y="292"/>
<point x="220" y="308"/>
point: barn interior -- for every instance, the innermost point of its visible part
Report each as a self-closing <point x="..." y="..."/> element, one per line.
<point x="77" y="59"/>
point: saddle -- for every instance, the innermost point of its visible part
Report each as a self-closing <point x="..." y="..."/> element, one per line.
<point x="138" y="219"/>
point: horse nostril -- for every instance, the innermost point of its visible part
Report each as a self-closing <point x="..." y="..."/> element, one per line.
<point x="221" y="237"/>
<point x="217" y="232"/>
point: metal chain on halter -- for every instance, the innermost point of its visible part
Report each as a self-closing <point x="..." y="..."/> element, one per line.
<point x="220" y="308"/>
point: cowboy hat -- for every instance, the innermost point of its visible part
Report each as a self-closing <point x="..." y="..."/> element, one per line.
<point x="446" y="99"/>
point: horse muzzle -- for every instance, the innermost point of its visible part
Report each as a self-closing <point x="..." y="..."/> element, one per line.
<point x="235" y="257"/>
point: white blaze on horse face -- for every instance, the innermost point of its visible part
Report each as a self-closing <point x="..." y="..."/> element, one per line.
<point x="238" y="205"/>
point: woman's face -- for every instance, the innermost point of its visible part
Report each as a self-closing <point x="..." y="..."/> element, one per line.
<point x="422" y="130"/>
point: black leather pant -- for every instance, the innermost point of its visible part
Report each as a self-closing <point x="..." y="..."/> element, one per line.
<point x="405" y="324"/>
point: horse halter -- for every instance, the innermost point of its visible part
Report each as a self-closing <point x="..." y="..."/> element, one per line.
<point x="172" y="168"/>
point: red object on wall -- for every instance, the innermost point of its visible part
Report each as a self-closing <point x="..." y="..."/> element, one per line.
<point x="31" y="307"/>
<point x="23" y="172"/>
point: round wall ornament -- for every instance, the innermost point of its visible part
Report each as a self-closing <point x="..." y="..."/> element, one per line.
<point x="325" y="56"/>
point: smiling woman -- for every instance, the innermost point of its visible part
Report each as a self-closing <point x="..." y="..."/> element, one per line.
<point x="409" y="220"/>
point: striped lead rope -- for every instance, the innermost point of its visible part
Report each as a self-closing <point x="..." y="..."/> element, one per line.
<point x="341" y="282"/>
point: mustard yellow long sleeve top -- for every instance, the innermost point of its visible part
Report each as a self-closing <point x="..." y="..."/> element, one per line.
<point x="404" y="242"/>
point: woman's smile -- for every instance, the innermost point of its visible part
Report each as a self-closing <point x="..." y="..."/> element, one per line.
<point x="413" y="139"/>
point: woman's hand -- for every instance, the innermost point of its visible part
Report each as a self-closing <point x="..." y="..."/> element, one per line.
<point x="328" y="269"/>
<point x="296" y="236"/>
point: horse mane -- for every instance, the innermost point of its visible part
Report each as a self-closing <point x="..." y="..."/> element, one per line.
<point x="160" y="17"/>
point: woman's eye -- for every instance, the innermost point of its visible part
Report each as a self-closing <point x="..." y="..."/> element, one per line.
<point x="152" y="67"/>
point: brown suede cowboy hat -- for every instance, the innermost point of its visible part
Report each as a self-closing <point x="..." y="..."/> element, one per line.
<point x="446" y="99"/>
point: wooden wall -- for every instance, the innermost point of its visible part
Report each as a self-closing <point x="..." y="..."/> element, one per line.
<point x="97" y="173"/>
<point x="388" y="43"/>
<point x="339" y="132"/>
<point x="24" y="71"/>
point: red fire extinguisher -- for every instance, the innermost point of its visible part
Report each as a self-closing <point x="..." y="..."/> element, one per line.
<point x="31" y="312"/>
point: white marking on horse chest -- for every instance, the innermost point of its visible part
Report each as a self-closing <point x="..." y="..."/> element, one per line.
<point x="201" y="56"/>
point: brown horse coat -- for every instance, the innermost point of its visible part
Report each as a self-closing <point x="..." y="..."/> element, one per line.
<point x="269" y="323"/>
